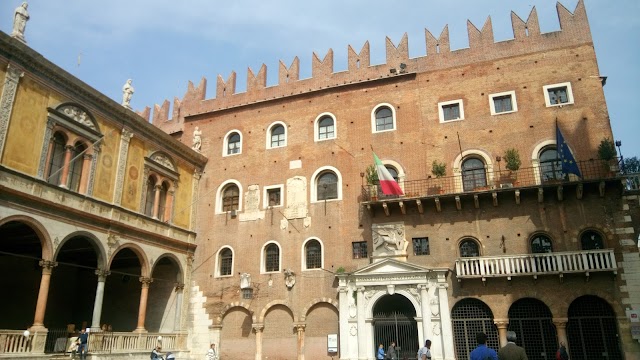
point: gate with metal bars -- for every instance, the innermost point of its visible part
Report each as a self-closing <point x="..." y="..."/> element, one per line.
<point x="56" y="341"/>
<point x="399" y="328"/>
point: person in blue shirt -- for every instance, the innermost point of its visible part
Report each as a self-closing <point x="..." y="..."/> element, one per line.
<point x="483" y="352"/>
<point x="381" y="353"/>
<point x="83" y="340"/>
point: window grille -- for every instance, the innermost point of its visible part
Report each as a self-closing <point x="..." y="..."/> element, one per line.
<point x="274" y="197"/>
<point x="247" y="294"/>
<point x="313" y="254"/>
<point x="558" y="95"/>
<point x="469" y="248"/>
<point x="359" y="249"/>
<point x="272" y="257"/>
<point x="421" y="246"/>
<point x="591" y="240"/>
<point x="230" y="198"/>
<point x="592" y="330"/>
<point x="469" y="317"/>
<point x="226" y="261"/>
<point x="532" y="322"/>
<point x="541" y="244"/>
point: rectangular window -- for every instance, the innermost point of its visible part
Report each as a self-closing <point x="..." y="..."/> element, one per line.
<point x="558" y="94"/>
<point x="273" y="196"/>
<point x="421" y="246"/>
<point x="225" y="266"/>
<point x="359" y="249"/>
<point x="247" y="293"/>
<point x="503" y="103"/>
<point x="451" y="111"/>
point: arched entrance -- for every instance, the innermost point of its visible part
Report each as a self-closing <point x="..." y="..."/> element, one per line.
<point x="122" y="291"/>
<point x="162" y="295"/>
<point x="471" y="316"/>
<point x="532" y="321"/>
<point x="394" y="320"/>
<point x="592" y="330"/>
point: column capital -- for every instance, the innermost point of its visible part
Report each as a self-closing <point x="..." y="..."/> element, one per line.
<point x="179" y="287"/>
<point x="47" y="265"/>
<point x="145" y="281"/>
<point x="343" y="289"/>
<point x="69" y="147"/>
<point x="300" y="327"/>
<point x="501" y="323"/>
<point x="102" y="274"/>
<point x="560" y="322"/>
<point x="422" y="287"/>
<point x="258" y="327"/>
<point x="361" y="289"/>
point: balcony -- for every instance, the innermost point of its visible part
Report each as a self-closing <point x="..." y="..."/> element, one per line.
<point x="557" y="263"/>
<point x="532" y="178"/>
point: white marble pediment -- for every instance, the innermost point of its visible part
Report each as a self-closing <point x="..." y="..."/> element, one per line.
<point x="390" y="266"/>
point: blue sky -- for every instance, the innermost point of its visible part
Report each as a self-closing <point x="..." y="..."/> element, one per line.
<point x="162" y="44"/>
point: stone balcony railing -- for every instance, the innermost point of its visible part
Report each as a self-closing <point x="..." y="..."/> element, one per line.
<point x="493" y="180"/>
<point x="556" y="263"/>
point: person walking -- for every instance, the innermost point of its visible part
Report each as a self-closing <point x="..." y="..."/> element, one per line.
<point x="482" y="351"/>
<point x="511" y="351"/>
<point x="391" y="351"/>
<point x="380" y="354"/>
<point x="83" y="340"/>
<point x="425" y="352"/>
<point x="562" y="353"/>
<point x="212" y="354"/>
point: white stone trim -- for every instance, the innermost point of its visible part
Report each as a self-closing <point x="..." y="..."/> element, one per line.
<point x="535" y="158"/>
<point x="373" y="118"/>
<point x="316" y="129"/>
<point x="219" y="195"/>
<point x="514" y="103"/>
<point x="441" y="112"/>
<point x="265" y="195"/>
<point x="216" y="272"/>
<point x="303" y="255"/>
<point x="313" y="191"/>
<point x="225" y="143"/>
<point x="263" y="255"/>
<point x="457" y="166"/>
<point x="286" y="135"/>
<point x="546" y="88"/>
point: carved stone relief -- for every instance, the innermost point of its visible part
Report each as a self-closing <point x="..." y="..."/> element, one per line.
<point x="163" y="160"/>
<point x="296" y="198"/>
<point x="389" y="239"/>
<point x="251" y="204"/>
<point x="78" y="115"/>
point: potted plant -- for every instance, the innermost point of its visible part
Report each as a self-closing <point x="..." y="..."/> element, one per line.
<point x="438" y="169"/>
<point x="607" y="153"/>
<point x="372" y="182"/>
<point x="512" y="163"/>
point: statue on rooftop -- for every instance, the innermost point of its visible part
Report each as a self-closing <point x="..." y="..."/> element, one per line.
<point x="197" y="139"/>
<point x="127" y="92"/>
<point x="20" y="18"/>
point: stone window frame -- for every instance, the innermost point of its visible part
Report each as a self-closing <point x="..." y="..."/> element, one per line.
<point x="265" y="195"/>
<point x="514" y="103"/>
<point x="469" y="238"/>
<point x="303" y="254"/>
<point x="547" y="99"/>
<point x="442" y="104"/>
<point x="584" y="231"/>
<point x="466" y="154"/>
<point x="537" y="234"/>
<point x="263" y="258"/>
<point x="316" y="127"/>
<point x="77" y="125"/>
<point x="313" y="191"/>
<point x="218" y="264"/>
<point x="220" y="192"/>
<point x="162" y="167"/>
<point x="225" y="146"/>
<point x="270" y="129"/>
<point x="374" y="111"/>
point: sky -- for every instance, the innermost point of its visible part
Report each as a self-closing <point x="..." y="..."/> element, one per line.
<point x="164" y="44"/>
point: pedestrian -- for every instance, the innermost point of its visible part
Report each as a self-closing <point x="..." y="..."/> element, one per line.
<point x="483" y="352"/>
<point x="511" y="351"/>
<point x="425" y="352"/>
<point x="212" y="354"/>
<point x="380" y="355"/>
<point x="562" y="353"/>
<point x="83" y="340"/>
<point x="391" y="351"/>
<point x="73" y="346"/>
<point x="155" y="353"/>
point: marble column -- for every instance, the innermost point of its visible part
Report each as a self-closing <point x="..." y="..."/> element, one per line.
<point x="426" y="312"/>
<point x="84" y="176"/>
<point x="142" y="310"/>
<point x="343" y="315"/>
<point x="43" y="293"/>
<point x="258" y="330"/>
<point x="156" y="200"/>
<point x="168" y="206"/>
<point x="179" y="292"/>
<point x="363" y="350"/>
<point x="64" y="177"/>
<point x="502" y="325"/>
<point x="445" y="321"/>
<point x="561" y="329"/>
<point x="97" y="304"/>
<point x="300" y="332"/>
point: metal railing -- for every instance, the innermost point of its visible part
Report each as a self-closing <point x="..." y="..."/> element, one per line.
<point x="542" y="175"/>
<point x="536" y="264"/>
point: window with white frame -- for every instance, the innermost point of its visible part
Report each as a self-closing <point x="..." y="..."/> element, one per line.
<point x="451" y="111"/>
<point x="276" y="135"/>
<point x="312" y="254"/>
<point x="225" y="262"/>
<point x="503" y="103"/>
<point x="558" y="94"/>
<point x="383" y="118"/>
<point x="273" y="196"/>
<point x="326" y="184"/>
<point x="271" y="258"/>
<point x="230" y="198"/>
<point x="325" y="127"/>
<point x="232" y="143"/>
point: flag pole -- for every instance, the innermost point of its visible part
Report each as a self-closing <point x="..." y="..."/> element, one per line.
<point x="459" y="145"/>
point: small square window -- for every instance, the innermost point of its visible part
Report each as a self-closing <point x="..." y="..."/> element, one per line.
<point x="359" y="249"/>
<point x="558" y="94"/>
<point x="503" y="103"/>
<point x="421" y="246"/>
<point x="247" y="293"/>
<point x="451" y="111"/>
<point x="273" y="196"/>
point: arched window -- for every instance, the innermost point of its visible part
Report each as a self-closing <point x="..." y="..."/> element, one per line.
<point x="75" y="167"/>
<point x="278" y="136"/>
<point x="392" y="171"/>
<point x="384" y="119"/>
<point x="327" y="186"/>
<point x="550" y="165"/>
<point x="541" y="244"/>
<point x="313" y="254"/>
<point x="230" y="198"/>
<point x="591" y="240"/>
<point x="469" y="248"/>
<point x="226" y="262"/>
<point x="326" y="128"/>
<point x="473" y="174"/>
<point x="272" y="258"/>
<point x="157" y="201"/>
<point x="233" y="143"/>
<point x="56" y="159"/>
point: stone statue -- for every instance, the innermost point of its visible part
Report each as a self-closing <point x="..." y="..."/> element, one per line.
<point x="289" y="278"/>
<point x="127" y="91"/>
<point x="20" y="18"/>
<point x="197" y="139"/>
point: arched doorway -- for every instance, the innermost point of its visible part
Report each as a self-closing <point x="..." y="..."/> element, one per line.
<point x="162" y="296"/>
<point x="469" y="317"/>
<point x="394" y="320"/>
<point x="532" y="321"/>
<point x="592" y="330"/>
<point x="122" y="291"/>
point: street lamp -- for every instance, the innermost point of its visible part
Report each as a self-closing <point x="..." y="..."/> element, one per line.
<point x="618" y="144"/>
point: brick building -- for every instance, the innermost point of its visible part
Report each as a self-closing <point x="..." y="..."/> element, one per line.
<point x="296" y="242"/>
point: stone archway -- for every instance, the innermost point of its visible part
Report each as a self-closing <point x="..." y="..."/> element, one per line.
<point x="394" y="321"/>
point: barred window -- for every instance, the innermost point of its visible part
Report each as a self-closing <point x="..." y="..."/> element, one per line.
<point x="272" y="258"/>
<point x="230" y="198"/>
<point x="247" y="293"/>
<point x="313" y="254"/>
<point x="541" y="244"/>
<point x="469" y="248"/>
<point x="421" y="246"/>
<point x="591" y="240"/>
<point x="359" y="249"/>
<point x="226" y="261"/>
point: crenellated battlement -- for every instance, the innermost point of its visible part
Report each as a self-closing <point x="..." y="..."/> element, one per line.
<point x="527" y="38"/>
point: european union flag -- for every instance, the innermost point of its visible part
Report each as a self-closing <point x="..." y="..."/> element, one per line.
<point x="569" y="165"/>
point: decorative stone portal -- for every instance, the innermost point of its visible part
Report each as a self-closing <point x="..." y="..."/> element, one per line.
<point x="394" y="291"/>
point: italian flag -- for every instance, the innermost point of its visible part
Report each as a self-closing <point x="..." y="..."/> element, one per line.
<point x="387" y="182"/>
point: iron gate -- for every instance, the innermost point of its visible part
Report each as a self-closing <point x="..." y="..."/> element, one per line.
<point x="401" y="329"/>
<point x="52" y="338"/>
